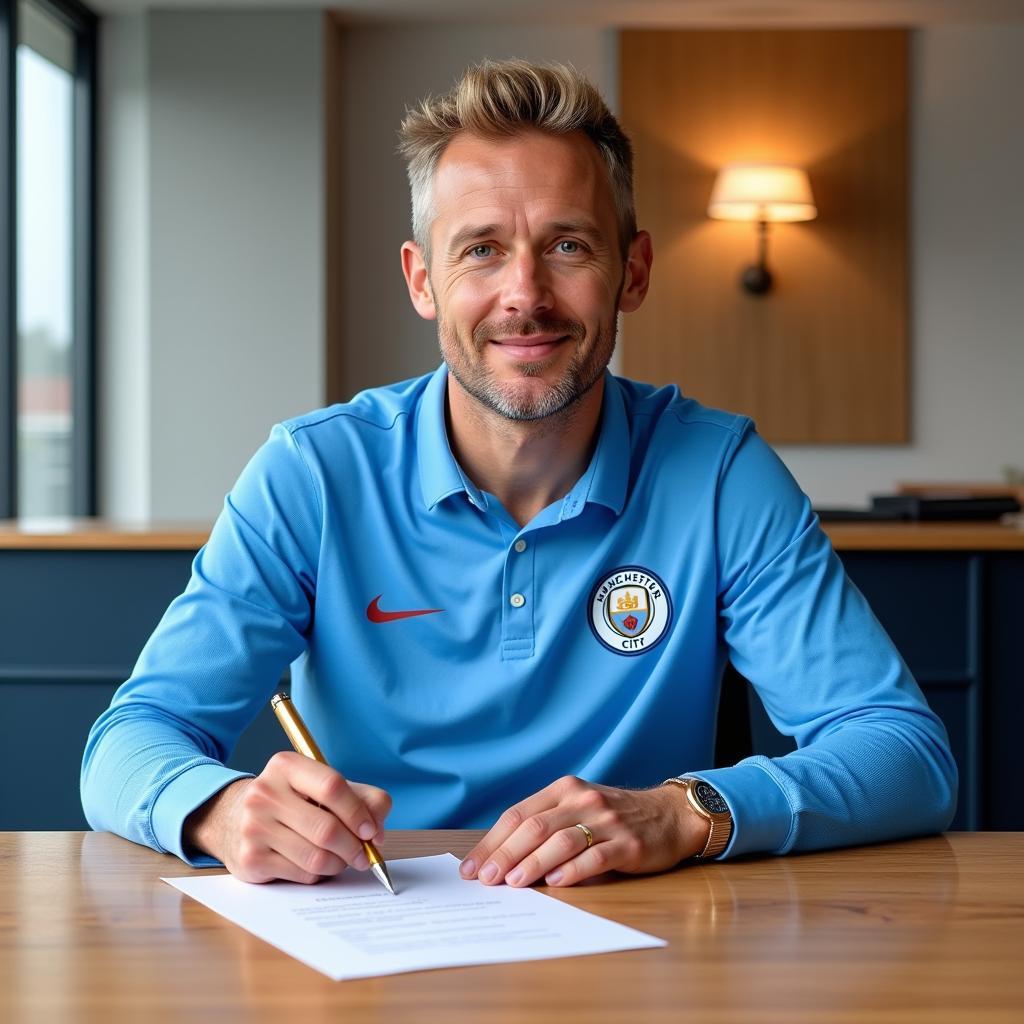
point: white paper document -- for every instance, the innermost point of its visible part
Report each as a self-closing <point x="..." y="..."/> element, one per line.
<point x="351" y="927"/>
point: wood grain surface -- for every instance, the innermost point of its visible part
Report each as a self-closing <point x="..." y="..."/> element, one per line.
<point x="823" y="357"/>
<point x="930" y="930"/>
<point x="99" y="534"/>
<point x="85" y="534"/>
<point x="868" y="536"/>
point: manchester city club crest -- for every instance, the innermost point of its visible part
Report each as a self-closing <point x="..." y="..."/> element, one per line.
<point x="630" y="610"/>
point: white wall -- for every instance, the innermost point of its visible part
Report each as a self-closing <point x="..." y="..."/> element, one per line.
<point x="215" y="292"/>
<point x="123" y="413"/>
<point x="231" y="178"/>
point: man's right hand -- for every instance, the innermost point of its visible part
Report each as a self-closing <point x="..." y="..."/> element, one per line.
<point x="271" y="827"/>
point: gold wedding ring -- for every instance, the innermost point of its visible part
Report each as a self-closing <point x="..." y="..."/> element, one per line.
<point x="586" y="831"/>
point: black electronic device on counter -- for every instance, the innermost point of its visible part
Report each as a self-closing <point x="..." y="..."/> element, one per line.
<point x="915" y="508"/>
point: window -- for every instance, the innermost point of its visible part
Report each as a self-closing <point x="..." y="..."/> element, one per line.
<point x="47" y="90"/>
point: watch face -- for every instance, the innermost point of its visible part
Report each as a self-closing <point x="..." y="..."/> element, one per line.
<point x="710" y="798"/>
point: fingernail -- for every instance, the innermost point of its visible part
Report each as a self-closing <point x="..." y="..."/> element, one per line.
<point x="489" y="872"/>
<point x="467" y="868"/>
<point x="555" y="877"/>
<point x="514" y="877"/>
<point x="366" y="830"/>
<point x="362" y="862"/>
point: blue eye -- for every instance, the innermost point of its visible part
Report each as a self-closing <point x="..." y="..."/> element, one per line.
<point x="569" y="247"/>
<point x="481" y="251"/>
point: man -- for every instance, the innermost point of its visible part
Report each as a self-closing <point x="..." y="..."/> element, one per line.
<point x="508" y="589"/>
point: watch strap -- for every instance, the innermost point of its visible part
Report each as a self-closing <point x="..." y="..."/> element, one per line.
<point x="720" y="830"/>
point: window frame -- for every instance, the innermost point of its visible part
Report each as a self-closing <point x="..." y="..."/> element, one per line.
<point x="83" y="23"/>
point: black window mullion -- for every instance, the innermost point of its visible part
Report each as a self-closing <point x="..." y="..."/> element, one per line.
<point x="83" y="390"/>
<point x="83" y="23"/>
<point x="8" y="258"/>
<point x="75" y="15"/>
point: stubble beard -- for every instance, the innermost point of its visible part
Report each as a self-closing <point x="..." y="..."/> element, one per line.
<point x="510" y="399"/>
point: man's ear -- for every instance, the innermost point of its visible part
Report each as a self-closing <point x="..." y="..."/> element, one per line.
<point x="637" y="278"/>
<point x="418" y="281"/>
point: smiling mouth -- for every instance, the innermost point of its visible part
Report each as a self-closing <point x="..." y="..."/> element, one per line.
<point x="528" y="349"/>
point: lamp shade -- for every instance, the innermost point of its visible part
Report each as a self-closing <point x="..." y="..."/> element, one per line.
<point x="770" y="192"/>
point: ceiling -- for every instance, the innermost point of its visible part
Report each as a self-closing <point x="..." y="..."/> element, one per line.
<point x="623" y="13"/>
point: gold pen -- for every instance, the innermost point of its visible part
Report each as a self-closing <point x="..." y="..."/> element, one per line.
<point x="303" y="742"/>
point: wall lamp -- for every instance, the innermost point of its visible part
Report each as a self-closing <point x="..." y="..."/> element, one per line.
<point x="762" y="193"/>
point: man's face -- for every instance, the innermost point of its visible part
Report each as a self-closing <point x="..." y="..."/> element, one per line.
<point x="525" y="272"/>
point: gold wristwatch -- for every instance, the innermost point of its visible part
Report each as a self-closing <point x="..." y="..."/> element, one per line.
<point x="710" y="805"/>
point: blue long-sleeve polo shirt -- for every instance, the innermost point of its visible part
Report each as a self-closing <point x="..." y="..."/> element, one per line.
<point x="590" y="641"/>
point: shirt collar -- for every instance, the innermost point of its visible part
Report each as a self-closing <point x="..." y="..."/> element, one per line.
<point x="440" y="475"/>
<point x="607" y="477"/>
<point x="604" y="481"/>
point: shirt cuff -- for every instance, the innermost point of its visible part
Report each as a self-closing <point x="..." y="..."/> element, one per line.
<point x="179" y="798"/>
<point x="761" y="816"/>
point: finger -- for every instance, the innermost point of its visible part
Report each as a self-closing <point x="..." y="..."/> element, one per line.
<point x="311" y="857"/>
<point x="284" y="869"/>
<point x="564" y="845"/>
<point x="271" y="805"/>
<point x="335" y="794"/>
<point x="327" y="787"/>
<point x="568" y="801"/>
<point x="317" y="829"/>
<point x="512" y="819"/>
<point x="377" y="800"/>
<point x="601" y="857"/>
<point x="267" y="865"/>
<point x="531" y="835"/>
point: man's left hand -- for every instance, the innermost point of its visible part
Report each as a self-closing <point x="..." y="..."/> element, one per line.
<point x="634" y="831"/>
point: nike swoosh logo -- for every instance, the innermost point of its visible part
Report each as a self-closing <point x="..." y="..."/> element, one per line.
<point x="375" y="614"/>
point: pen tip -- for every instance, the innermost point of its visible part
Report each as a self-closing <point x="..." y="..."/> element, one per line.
<point x="381" y="872"/>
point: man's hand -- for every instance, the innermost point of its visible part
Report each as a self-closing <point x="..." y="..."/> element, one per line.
<point x="635" y="831"/>
<point x="271" y="827"/>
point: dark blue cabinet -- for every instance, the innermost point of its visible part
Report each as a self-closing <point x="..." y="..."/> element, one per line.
<point x="72" y="623"/>
<point x="957" y="619"/>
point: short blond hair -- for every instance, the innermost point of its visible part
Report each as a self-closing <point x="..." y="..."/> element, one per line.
<point x="499" y="99"/>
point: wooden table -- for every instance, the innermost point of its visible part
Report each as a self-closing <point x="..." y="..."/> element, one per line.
<point x="929" y="930"/>
<point x="94" y="534"/>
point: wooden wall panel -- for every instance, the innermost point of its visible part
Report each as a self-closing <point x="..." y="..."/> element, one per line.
<point x="824" y="356"/>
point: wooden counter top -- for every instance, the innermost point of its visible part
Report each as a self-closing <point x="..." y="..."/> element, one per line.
<point x="101" y="534"/>
<point x="925" y="536"/>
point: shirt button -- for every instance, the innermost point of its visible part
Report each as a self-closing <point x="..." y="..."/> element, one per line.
<point x="520" y="545"/>
<point x="517" y="600"/>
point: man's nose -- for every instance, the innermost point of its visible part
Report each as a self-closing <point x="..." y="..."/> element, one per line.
<point x="526" y="286"/>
